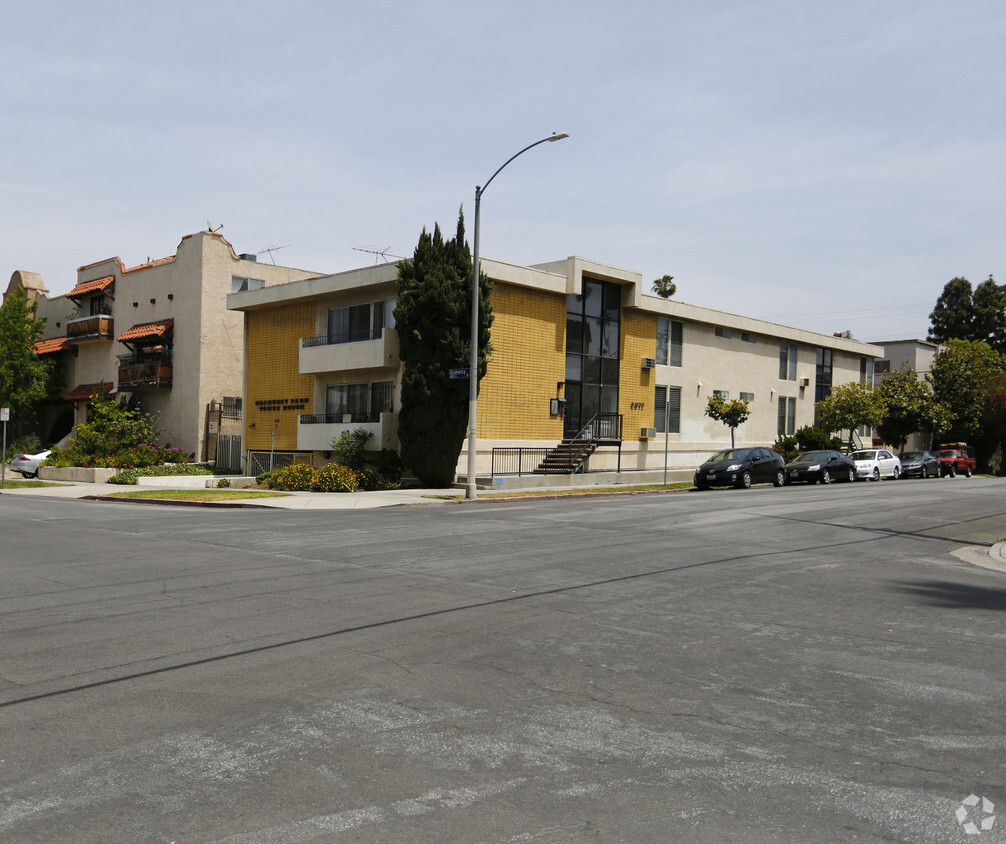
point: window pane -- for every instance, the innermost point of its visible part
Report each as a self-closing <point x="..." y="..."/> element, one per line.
<point x="609" y="345"/>
<point x="609" y="399"/>
<point x="659" y="408"/>
<point x="674" y="410"/>
<point x="591" y="370"/>
<point x="663" y="337"/>
<point x="612" y="301"/>
<point x="593" y="298"/>
<point x="677" y="332"/>
<point x="592" y="335"/>
<point x="574" y="333"/>
<point x="609" y="370"/>
<point x="574" y="304"/>
<point x="574" y="368"/>
<point x="381" y="394"/>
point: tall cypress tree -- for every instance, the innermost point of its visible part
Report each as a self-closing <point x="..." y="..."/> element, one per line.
<point x="433" y="321"/>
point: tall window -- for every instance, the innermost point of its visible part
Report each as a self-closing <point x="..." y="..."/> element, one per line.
<point x="347" y="325"/>
<point x="593" y="321"/>
<point x="669" y="337"/>
<point x="787" y="416"/>
<point x="822" y="382"/>
<point x="231" y="407"/>
<point x="384" y="315"/>
<point x="362" y="402"/>
<point x="787" y="361"/>
<point x="667" y="407"/>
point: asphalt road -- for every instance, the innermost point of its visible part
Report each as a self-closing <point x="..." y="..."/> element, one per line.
<point x="777" y="665"/>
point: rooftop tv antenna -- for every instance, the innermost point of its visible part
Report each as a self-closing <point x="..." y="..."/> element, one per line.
<point x="378" y="253"/>
<point x="211" y="228"/>
<point x="271" y="250"/>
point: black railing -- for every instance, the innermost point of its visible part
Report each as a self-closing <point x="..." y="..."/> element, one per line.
<point x="602" y="426"/>
<point x="348" y="337"/>
<point x="338" y="418"/>
<point x="517" y="461"/>
<point x="145" y="357"/>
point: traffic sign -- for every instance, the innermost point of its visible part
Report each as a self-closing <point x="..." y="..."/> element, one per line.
<point x="5" y="412"/>
<point x="455" y="374"/>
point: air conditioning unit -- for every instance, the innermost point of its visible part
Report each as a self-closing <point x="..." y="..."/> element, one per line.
<point x="649" y="363"/>
<point x="805" y="382"/>
<point x="647" y="433"/>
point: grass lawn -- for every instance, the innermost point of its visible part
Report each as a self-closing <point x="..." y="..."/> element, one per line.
<point x="196" y="494"/>
<point x="9" y="484"/>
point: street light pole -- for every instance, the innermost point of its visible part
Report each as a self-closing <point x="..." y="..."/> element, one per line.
<point x="473" y="364"/>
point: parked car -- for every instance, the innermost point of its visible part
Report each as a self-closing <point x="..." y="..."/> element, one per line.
<point x="27" y="464"/>
<point x="956" y="457"/>
<point x="820" y="467"/>
<point x="876" y="463"/>
<point x="741" y="467"/>
<point x="922" y="464"/>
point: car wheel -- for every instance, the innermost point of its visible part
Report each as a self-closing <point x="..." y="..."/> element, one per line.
<point x="967" y="472"/>
<point x="876" y="474"/>
<point x="701" y="486"/>
<point x="897" y="473"/>
<point x="924" y="473"/>
<point x="852" y="476"/>
<point x="744" y="481"/>
<point x="780" y="478"/>
<point x="953" y="471"/>
<point x="825" y="477"/>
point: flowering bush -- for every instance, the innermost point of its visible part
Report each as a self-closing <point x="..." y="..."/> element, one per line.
<point x="296" y="476"/>
<point x="129" y="476"/>
<point x="116" y="435"/>
<point x="334" y="478"/>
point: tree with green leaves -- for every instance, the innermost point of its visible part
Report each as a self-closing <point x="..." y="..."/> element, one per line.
<point x="849" y="406"/>
<point x="909" y="408"/>
<point x="965" y="314"/>
<point x="731" y="412"/>
<point x="433" y="321"/>
<point x="665" y="287"/>
<point x="24" y="376"/>
<point x="962" y="378"/>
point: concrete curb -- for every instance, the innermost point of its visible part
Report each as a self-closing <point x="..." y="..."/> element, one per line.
<point x="991" y="558"/>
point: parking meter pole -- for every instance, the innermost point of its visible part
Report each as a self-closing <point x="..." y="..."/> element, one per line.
<point x="667" y="419"/>
<point x="3" y="465"/>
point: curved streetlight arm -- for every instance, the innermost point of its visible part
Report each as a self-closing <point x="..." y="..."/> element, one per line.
<point x="473" y="362"/>
<point x="558" y="136"/>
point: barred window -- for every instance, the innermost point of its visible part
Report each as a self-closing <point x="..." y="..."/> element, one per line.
<point x="231" y="407"/>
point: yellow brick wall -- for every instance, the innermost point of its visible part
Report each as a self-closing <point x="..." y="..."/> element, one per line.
<point x="273" y="355"/>
<point x="529" y="358"/>
<point x="639" y="340"/>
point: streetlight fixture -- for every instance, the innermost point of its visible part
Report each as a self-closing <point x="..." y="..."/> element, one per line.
<point x="473" y="367"/>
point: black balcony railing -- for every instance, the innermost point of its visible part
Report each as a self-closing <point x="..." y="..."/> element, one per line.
<point x="338" y="418"/>
<point x="335" y="339"/>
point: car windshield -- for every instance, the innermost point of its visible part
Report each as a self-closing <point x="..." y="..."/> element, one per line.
<point x="911" y="455"/>
<point x="812" y="457"/>
<point x="729" y="454"/>
<point x="864" y="455"/>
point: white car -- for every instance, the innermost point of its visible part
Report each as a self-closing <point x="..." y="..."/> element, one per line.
<point x="876" y="463"/>
<point x="27" y="464"/>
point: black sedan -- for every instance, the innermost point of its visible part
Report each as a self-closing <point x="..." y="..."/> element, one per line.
<point x="820" y="467"/>
<point x="920" y="464"/>
<point x="741" y="467"/>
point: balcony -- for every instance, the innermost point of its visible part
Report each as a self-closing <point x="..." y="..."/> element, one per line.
<point x="141" y="371"/>
<point x="317" y="430"/>
<point x="97" y="327"/>
<point x="360" y="350"/>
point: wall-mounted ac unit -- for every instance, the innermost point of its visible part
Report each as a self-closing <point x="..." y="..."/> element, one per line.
<point x="647" y="433"/>
<point x="649" y="363"/>
<point x="805" y="382"/>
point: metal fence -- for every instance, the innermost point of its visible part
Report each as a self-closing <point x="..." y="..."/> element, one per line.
<point x="229" y="451"/>
<point x="266" y="461"/>
<point x="517" y="461"/>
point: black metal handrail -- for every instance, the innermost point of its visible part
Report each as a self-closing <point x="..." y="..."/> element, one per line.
<point x="348" y="337"/>
<point x="603" y="425"/>
<point x="337" y="418"/>
<point x="517" y="460"/>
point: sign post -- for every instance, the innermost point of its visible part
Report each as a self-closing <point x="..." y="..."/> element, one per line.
<point x="5" y="418"/>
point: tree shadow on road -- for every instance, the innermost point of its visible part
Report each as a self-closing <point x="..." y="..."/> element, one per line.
<point x="944" y="593"/>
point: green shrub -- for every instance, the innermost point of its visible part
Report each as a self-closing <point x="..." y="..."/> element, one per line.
<point x="350" y="448"/>
<point x="334" y="478"/>
<point x="223" y="483"/>
<point x="369" y="480"/>
<point x="265" y="479"/>
<point x="296" y="476"/>
<point x="787" y="447"/>
<point x="129" y="476"/>
<point x="812" y="438"/>
<point x="388" y="464"/>
<point x="25" y="444"/>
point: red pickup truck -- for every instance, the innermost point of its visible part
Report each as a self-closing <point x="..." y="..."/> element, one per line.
<point x="956" y="457"/>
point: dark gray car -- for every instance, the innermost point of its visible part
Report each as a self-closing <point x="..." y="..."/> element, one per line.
<point x="741" y="467"/>
<point x="919" y="464"/>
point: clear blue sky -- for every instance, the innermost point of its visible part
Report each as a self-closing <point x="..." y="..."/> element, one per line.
<point x="829" y="166"/>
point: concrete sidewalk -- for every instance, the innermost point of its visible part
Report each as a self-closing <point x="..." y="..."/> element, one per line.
<point x="286" y="501"/>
